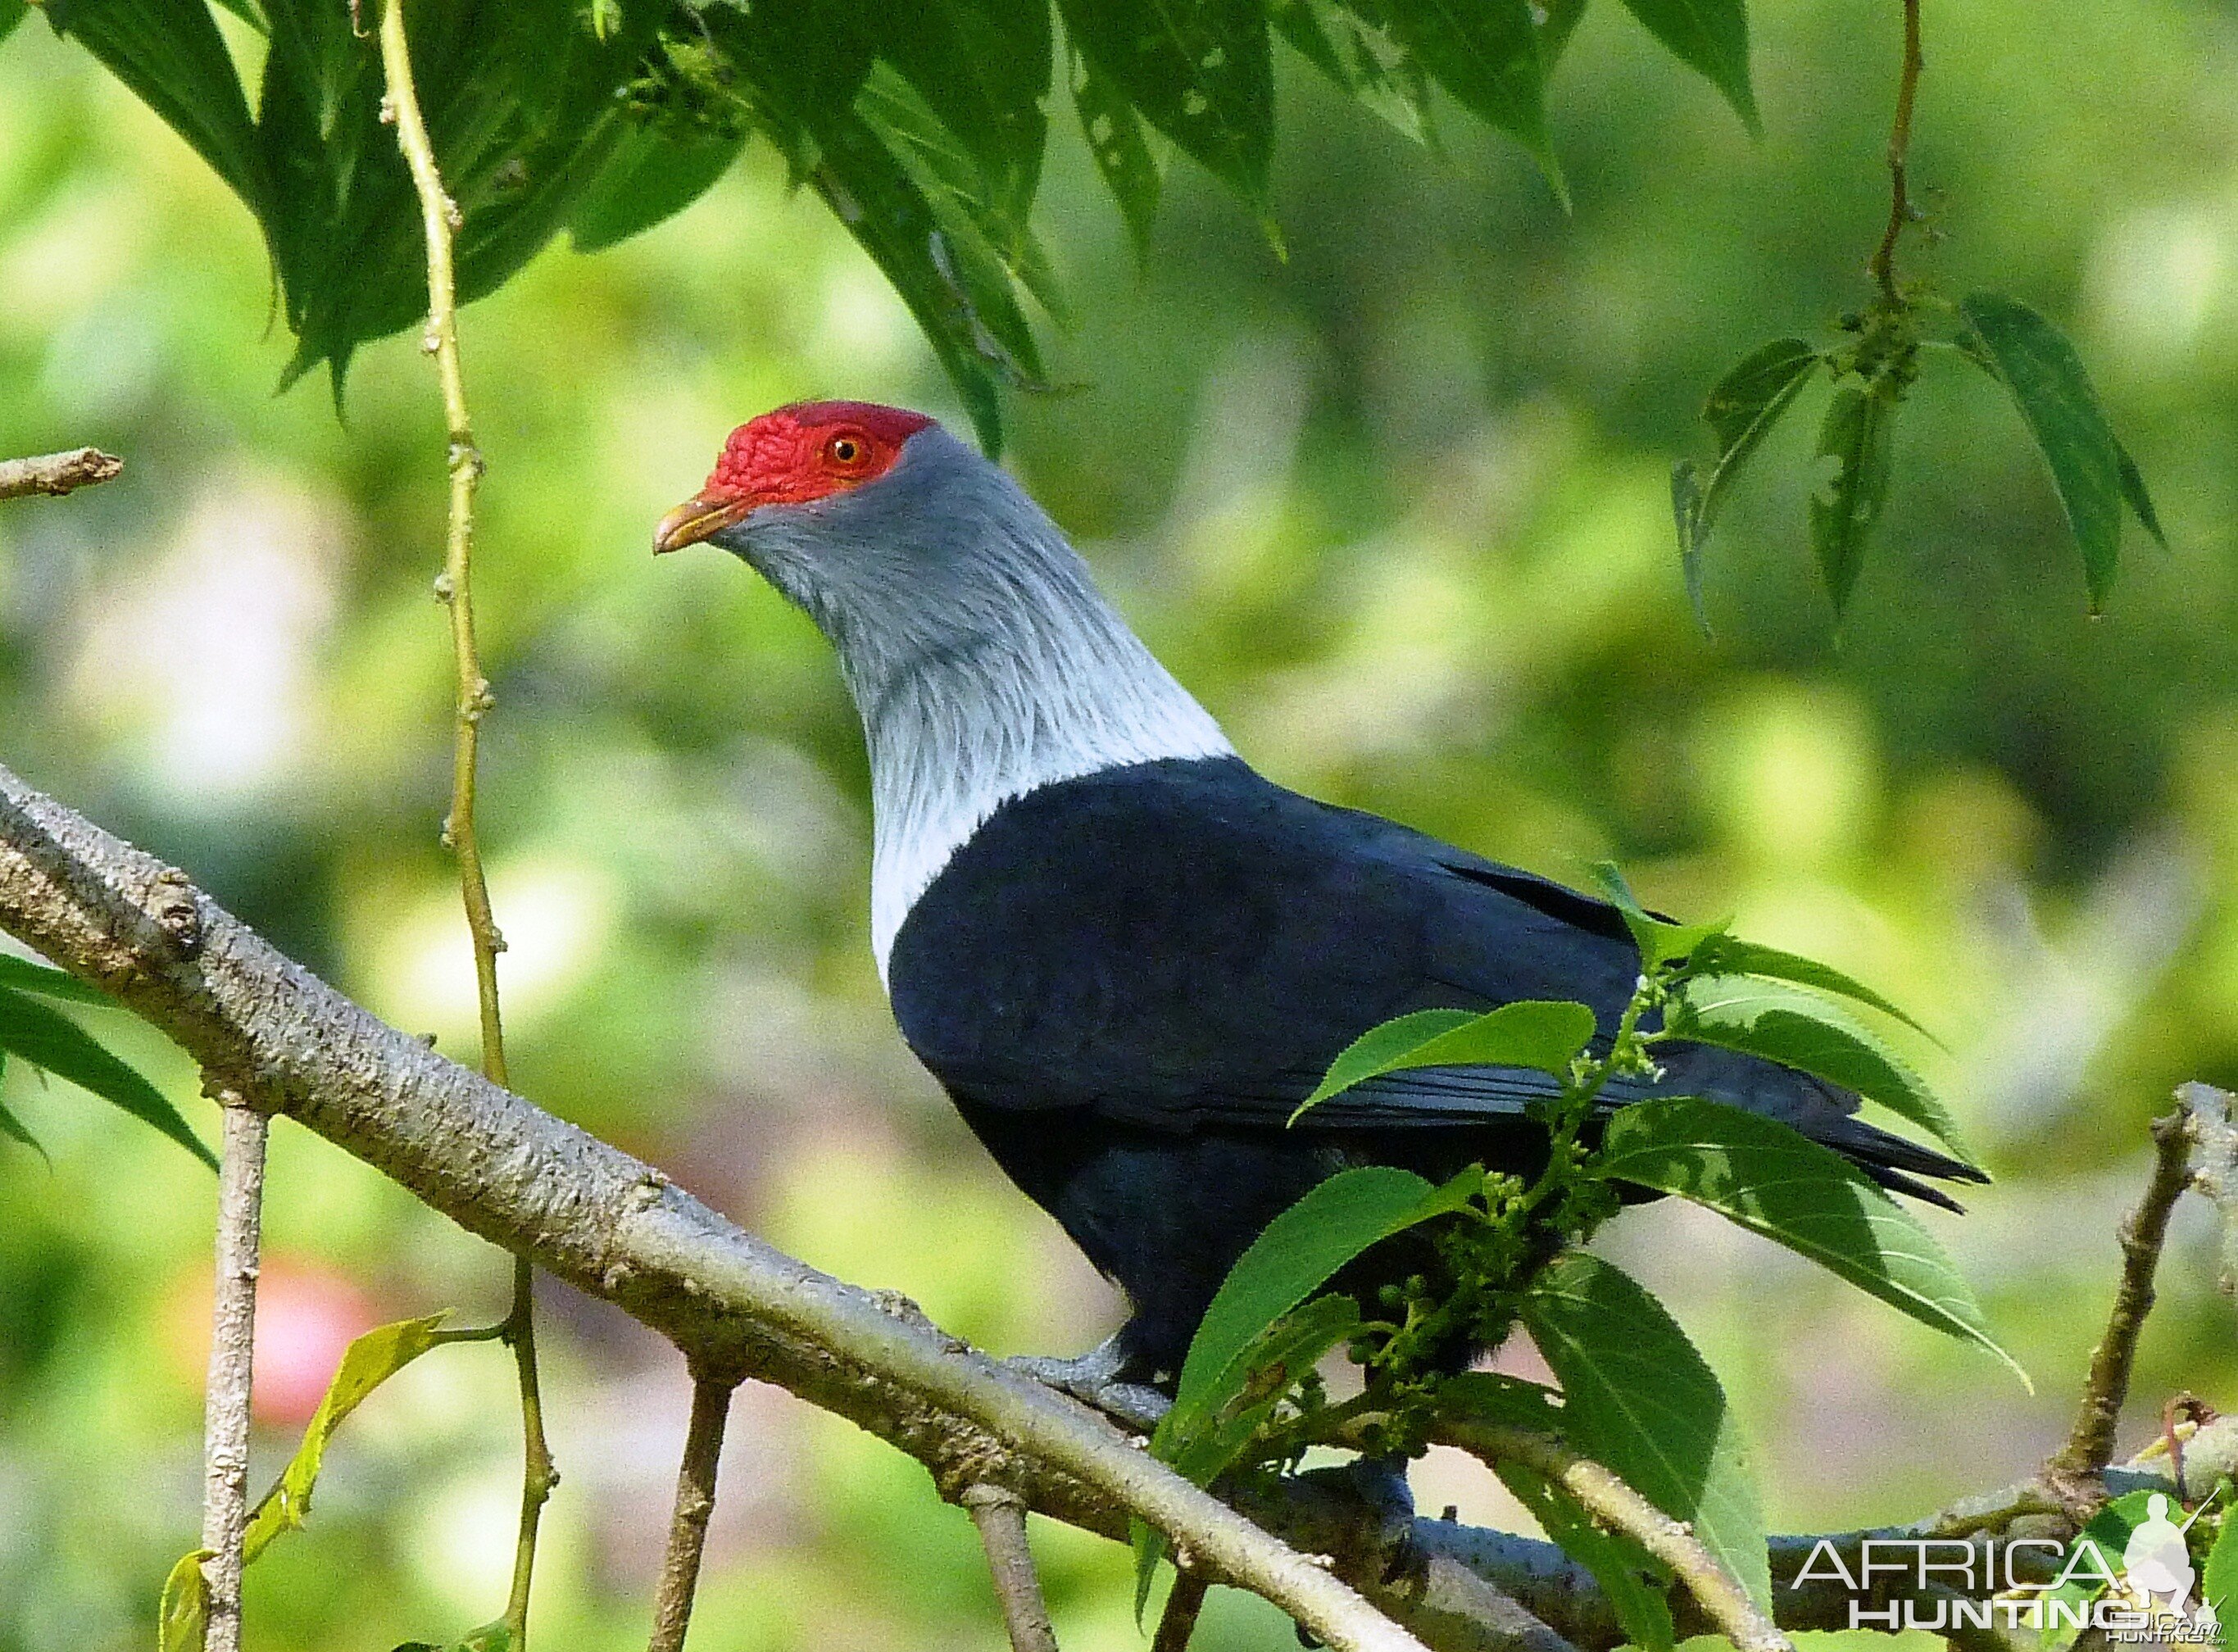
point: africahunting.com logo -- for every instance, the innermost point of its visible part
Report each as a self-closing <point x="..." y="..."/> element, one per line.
<point x="2131" y="1579"/>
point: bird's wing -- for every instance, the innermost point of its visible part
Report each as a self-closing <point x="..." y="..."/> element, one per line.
<point x="1180" y="942"/>
<point x="1183" y="943"/>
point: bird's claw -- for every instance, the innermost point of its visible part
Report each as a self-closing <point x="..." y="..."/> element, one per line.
<point x="1097" y="1378"/>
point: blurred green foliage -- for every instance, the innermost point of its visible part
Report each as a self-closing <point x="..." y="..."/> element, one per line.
<point x="1396" y="506"/>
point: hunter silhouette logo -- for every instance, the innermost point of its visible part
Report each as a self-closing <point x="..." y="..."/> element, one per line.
<point x="1939" y="1584"/>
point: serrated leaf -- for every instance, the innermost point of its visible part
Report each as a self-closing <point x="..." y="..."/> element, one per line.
<point x="1363" y="56"/>
<point x="1659" y="939"/>
<point x="1544" y="1036"/>
<point x="1800" y="1029"/>
<point x="1210" y="1440"/>
<point x="1635" y="1584"/>
<point x="1859" y="435"/>
<point x="521" y="103"/>
<point x="948" y="177"/>
<point x="650" y="176"/>
<point x="1765" y="1176"/>
<point x="369" y="1361"/>
<point x="981" y="68"/>
<point x="2094" y="474"/>
<point x="2218" y="1580"/>
<point x="1634" y="1581"/>
<point x="23" y="975"/>
<point x="1728" y="955"/>
<point x="1711" y="37"/>
<point x="1638" y="1398"/>
<point x="15" y="1129"/>
<point x="2109" y="1532"/>
<point x="1488" y="54"/>
<point x="1122" y="154"/>
<point x="1295" y="1255"/>
<point x="50" y="1039"/>
<point x="170" y="54"/>
<point x="1198" y="70"/>
<point x="183" y="1614"/>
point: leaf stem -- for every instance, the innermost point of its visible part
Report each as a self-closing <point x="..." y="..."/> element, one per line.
<point x="226" y="1395"/>
<point x="439" y="219"/>
<point x="1883" y="266"/>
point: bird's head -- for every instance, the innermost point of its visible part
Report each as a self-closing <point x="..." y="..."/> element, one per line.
<point x="793" y="457"/>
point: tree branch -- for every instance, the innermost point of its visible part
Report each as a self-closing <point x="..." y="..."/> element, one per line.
<point x="594" y="1216"/>
<point x="2089" y="1445"/>
<point x="58" y="473"/>
<point x="1607" y="1497"/>
<point x="226" y="1395"/>
<point x="1001" y="1517"/>
<point x="617" y="1229"/>
<point x="2215" y="1170"/>
<point x="695" y="1506"/>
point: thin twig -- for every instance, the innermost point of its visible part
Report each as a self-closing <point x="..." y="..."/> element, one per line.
<point x="56" y="473"/>
<point x="1607" y="1498"/>
<point x="1883" y="266"/>
<point x="2089" y="1445"/>
<point x="695" y="1506"/>
<point x="440" y="218"/>
<point x="225" y="1401"/>
<point x="1178" y="1622"/>
<point x="2214" y="1171"/>
<point x="1000" y="1514"/>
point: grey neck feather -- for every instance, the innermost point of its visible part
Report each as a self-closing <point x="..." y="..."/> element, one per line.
<point x="982" y="659"/>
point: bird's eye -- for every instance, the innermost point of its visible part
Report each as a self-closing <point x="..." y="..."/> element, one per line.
<point x="843" y="450"/>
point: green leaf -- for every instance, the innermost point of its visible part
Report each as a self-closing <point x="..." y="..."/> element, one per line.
<point x="650" y="176"/>
<point x="25" y="976"/>
<point x="1728" y="955"/>
<point x="46" y="1038"/>
<point x="1741" y="409"/>
<point x="1712" y="37"/>
<point x="11" y="13"/>
<point x="2095" y="475"/>
<point x="1770" y="1180"/>
<point x="1640" y="1399"/>
<point x="1363" y="56"/>
<point x="1122" y="153"/>
<point x="16" y="1130"/>
<point x="1538" y="1034"/>
<point x="2108" y="1532"/>
<point x="1293" y="1258"/>
<point x="1199" y="71"/>
<point x="981" y="68"/>
<point x="368" y="1362"/>
<point x="1001" y="244"/>
<point x="1801" y="1029"/>
<point x="170" y="54"/>
<point x="1634" y="1581"/>
<point x="490" y="1637"/>
<point x="1209" y="1441"/>
<point x="182" y="1616"/>
<point x="2218" y="1580"/>
<point x="1488" y="54"/>
<point x="1659" y="939"/>
<point x="1859" y="435"/>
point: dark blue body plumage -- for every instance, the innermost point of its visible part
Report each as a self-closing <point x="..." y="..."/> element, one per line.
<point x="1129" y="979"/>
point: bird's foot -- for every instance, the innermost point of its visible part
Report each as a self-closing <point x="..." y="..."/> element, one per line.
<point x="1098" y="1379"/>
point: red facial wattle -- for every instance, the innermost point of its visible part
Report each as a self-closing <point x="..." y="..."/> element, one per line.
<point x="794" y="455"/>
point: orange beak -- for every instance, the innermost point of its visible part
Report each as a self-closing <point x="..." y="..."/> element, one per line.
<point x="697" y="519"/>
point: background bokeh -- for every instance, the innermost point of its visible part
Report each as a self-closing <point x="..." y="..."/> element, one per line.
<point x="1396" y="507"/>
